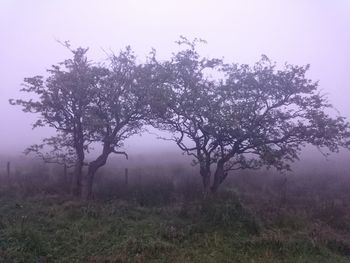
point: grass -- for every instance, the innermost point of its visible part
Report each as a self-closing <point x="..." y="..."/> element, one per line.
<point x="54" y="229"/>
<point x="162" y="218"/>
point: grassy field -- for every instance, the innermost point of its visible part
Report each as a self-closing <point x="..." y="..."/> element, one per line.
<point x="251" y="220"/>
<point x="55" y="230"/>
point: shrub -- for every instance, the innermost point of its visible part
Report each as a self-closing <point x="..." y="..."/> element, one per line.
<point x="226" y="210"/>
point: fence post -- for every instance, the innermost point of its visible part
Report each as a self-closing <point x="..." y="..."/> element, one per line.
<point x="126" y="176"/>
<point x="8" y="169"/>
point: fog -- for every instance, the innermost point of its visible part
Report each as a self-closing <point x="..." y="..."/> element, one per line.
<point x="299" y="32"/>
<point x="232" y="197"/>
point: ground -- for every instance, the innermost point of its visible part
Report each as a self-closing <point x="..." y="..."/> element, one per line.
<point x="53" y="228"/>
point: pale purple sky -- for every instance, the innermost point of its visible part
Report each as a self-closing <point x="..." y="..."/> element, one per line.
<point x="298" y="31"/>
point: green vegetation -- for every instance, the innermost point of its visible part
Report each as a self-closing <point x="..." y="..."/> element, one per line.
<point x="226" y="116"/>
<point x="174" y="225"/>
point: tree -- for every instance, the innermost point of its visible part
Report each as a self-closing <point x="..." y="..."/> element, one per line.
<point x="64" y="101"/>
<point x="88" y="104"/>
<point x="244" y="117"/>
<point x="119" y="109"/>
<point x="265" y="116"/>
<point x="186" y="92"/>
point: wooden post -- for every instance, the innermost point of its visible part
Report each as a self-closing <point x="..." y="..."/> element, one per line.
<point x="65" y="177"/>
<point x="8" y="169"/>
<point x="284" y="189"/>
<point x="126" y="176"/>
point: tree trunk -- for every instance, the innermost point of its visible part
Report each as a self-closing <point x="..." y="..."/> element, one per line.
<point x="78" y="174"/>
<point x="93" y="167"/>
<point x="78" y="171"/>
<point x="219" y="176"/>
<point x="89" y="182"/>
<point x="205" y="173"/>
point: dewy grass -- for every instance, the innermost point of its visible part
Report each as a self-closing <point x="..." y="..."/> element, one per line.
<point x="54" y="230"/>
<point x="162" y="218"/>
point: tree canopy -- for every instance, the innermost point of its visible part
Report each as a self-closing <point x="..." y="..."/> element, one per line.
<point x="87" y="103"/>
<point x="237" y="116"/>
<point x="225" y="115"/>
<point x="64" y="101"/>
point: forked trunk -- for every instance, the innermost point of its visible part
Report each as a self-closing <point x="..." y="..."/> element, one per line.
<point x="219" y="177"/>
<point x="93" y="167"/>
<point x="205" y="173"/>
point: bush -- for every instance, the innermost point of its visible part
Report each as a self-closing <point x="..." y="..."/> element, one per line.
<point x="226" y="210"/>
<point x="153" y="192"/>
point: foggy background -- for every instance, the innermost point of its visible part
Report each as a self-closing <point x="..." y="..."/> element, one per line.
<point x="315" y="32"/>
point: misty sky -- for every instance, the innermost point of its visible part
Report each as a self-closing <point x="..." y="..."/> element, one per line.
<point x="298" y="31"/>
